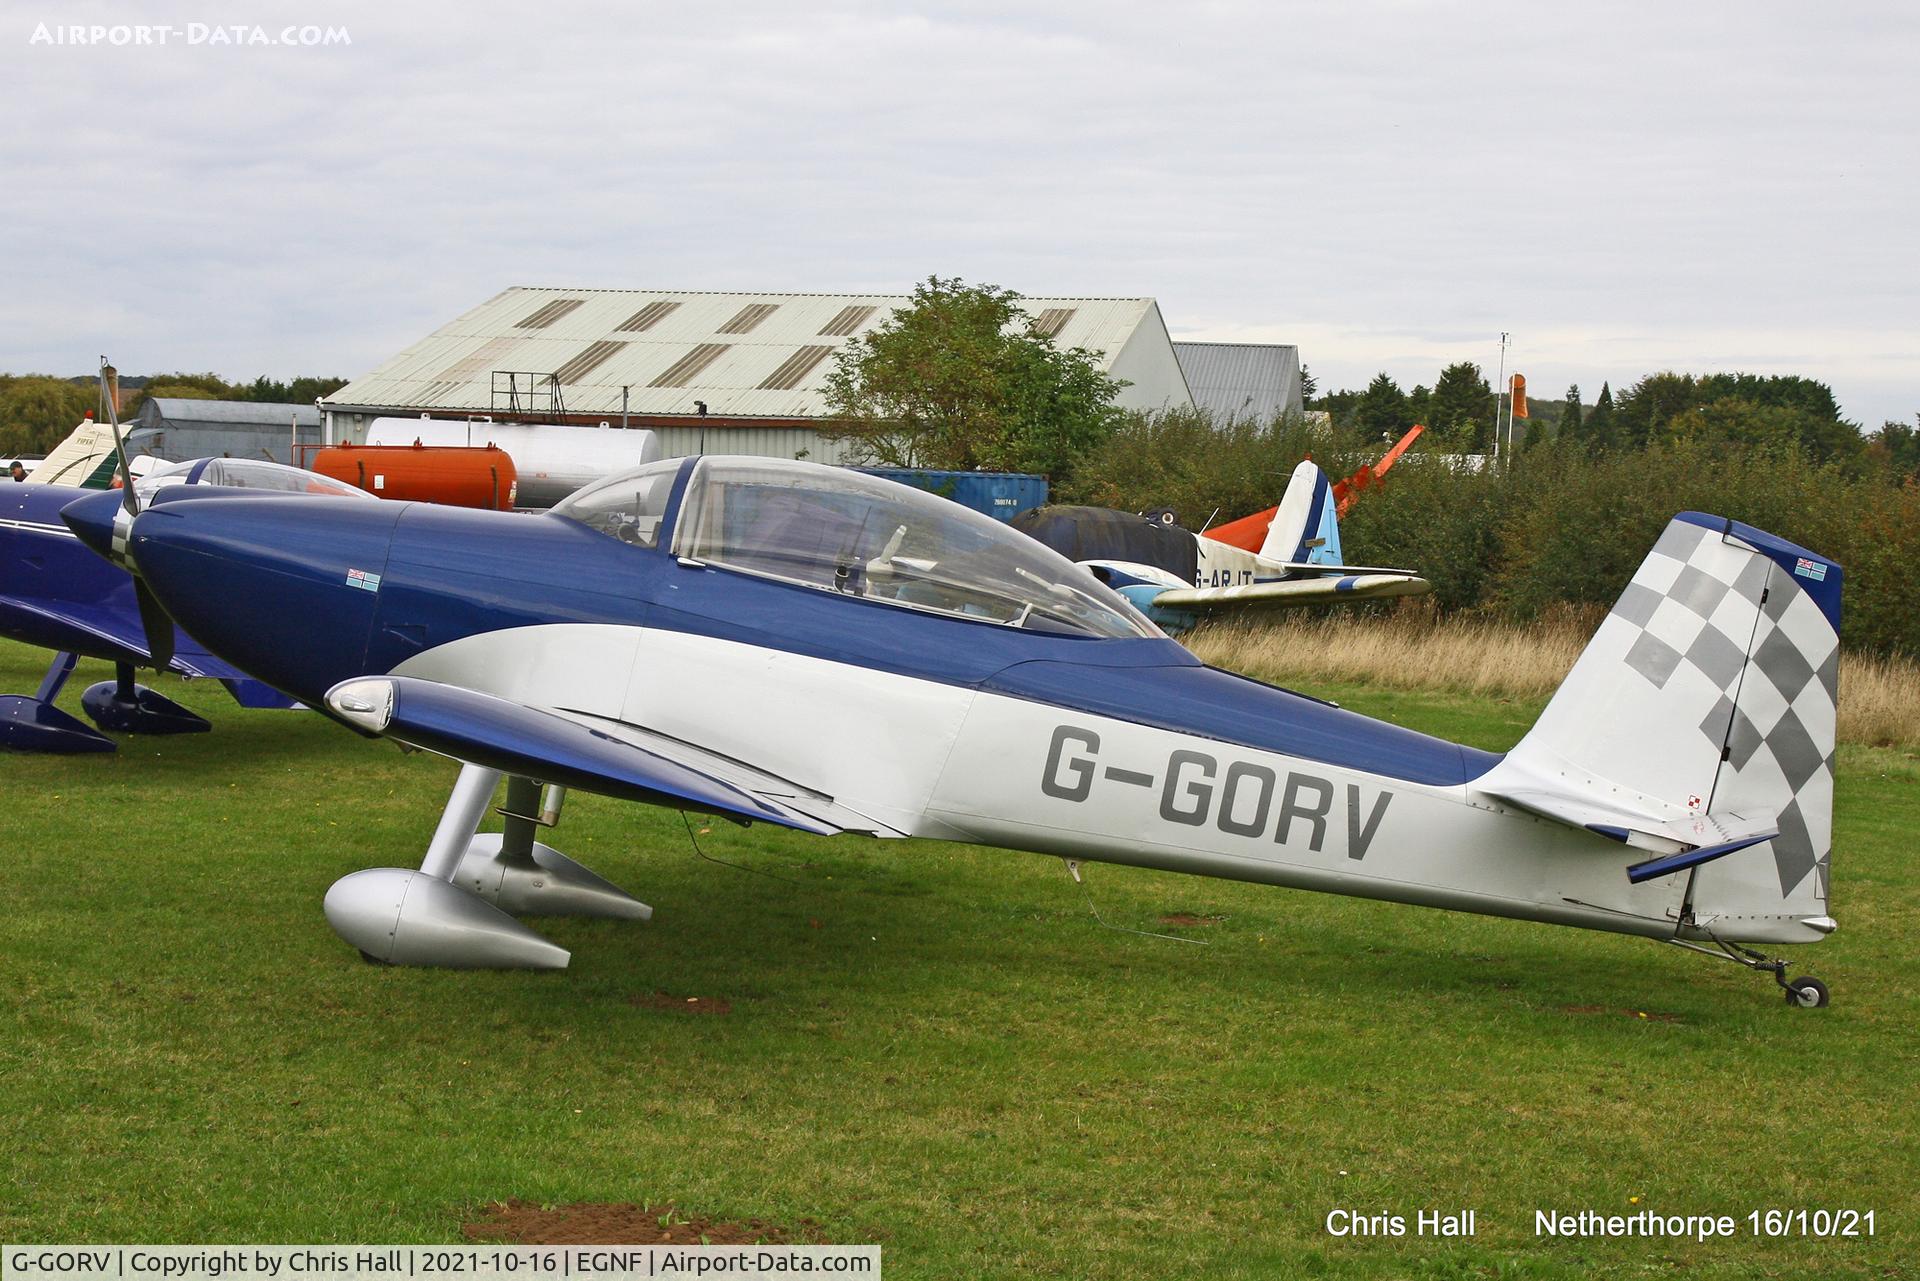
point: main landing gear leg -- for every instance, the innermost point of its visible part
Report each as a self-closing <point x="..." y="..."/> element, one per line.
<point x="520" y="875"/>
<point x="34" y="724"/>
<point x="124" y="707"/>
<point x="453" y="912"/>
<point x="1805" y="992"/>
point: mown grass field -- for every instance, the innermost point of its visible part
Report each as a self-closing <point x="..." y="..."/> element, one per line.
<point x="928" y="1046"/>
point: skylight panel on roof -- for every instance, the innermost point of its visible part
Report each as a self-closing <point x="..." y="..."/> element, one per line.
<point x="1052" y="321"/>
<point x="683" y="371"/>
<point x="577" y="368"/>
<point x="794" y="368"/>
<point x="548" y="313"/>
<point x="846" y="321"/>
<point x="478" y="361"/>
<point x="749" y="317"/>
<point x="647" y="317"/>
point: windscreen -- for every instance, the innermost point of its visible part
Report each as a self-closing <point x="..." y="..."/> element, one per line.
<point x="246" y="473"/>
<point x="628" y="507"/>
<point x="841" y="531"/>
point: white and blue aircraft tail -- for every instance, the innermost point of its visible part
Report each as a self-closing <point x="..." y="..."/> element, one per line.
<point x="801" y="645"/>
<point x="1178" y="578"/>
<point x="1699" y="724"/>
<point x="1306" y="526"/>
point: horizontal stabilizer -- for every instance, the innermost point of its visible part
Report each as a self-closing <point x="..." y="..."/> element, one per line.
<point x="516" y="739"/>
<point x="1657" y="828"/>
<point x="1672" y="863"/>
<point x="1292" y="592"/>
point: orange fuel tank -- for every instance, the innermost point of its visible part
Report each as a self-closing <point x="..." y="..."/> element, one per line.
<point x="458" y="476"/>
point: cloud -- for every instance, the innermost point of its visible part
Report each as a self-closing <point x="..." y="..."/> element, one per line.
<point x="1387" y="184"/>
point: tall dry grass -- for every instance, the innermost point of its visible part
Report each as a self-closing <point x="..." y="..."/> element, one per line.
<point x="1879" y="697"/>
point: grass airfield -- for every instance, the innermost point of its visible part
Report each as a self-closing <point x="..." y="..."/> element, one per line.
<point x="926" y="1046"/>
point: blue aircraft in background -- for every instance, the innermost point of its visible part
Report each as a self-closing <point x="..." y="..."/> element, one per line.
<point x="56" y="594"/>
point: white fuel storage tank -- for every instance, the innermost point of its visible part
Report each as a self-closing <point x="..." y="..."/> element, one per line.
<point x="551" y="460"/>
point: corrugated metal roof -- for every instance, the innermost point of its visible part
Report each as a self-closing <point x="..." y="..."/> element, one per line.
<point x="1234" y="380"/>
<point x="451" y="369"/>
<point x="182" y="410"/>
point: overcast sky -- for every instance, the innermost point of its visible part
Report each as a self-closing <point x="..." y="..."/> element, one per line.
<point x="1388" y="185"/>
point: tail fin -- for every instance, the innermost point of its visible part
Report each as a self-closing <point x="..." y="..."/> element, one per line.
<point x="1250" y="533"/>
<point x="1345" y="491"/>
<point x="1305" y="526"/>
<point x="1701" y="717"/>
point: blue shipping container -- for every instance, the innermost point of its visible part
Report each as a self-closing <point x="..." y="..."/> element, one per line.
<point x="1000" y="494"/>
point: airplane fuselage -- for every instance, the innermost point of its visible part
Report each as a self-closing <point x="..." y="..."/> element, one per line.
<point x="1119" y="750"/>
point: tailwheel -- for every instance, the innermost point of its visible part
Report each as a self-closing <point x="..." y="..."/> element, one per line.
<point x="1803" y="993"/>
<point x="1807" y="993"/>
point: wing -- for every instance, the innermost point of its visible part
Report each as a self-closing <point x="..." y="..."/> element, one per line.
<point x="584" y="752"/>
<point x="97" y="630"/>
<point x="109" y="630"/>
<point x="1291" y="593"/>
<point x="1296" y="568"/>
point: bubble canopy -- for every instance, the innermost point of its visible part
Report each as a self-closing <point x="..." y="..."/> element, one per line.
<point x="841" y="531"/>
<point x="246" y="473"/>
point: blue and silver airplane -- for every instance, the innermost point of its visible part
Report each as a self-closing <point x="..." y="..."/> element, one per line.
<point x="57" y="594"/>
<point x="801" y="645"/>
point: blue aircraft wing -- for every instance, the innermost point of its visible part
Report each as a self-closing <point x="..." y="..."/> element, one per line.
<point x="114" y="634"/>
<point x="117" y="638"/>
<point x="618" y="760"/>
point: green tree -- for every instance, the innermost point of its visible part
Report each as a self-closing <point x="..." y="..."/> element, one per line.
<point x="1896" y="446"/>
<point x="1309" y="385"/>
<point x="961" y="380"/>
<point x="1750" y="407"/>
<point x="300" y="391"/>
<point x="1750" y="422"/>
<point x="1463" y="409"/>
<point x="1202" y="469"/>
<point x="1601" y="431"/>
<point x="1381" y="409"/>
<point x="215" y="387"/>
<point x="1569" y="428"/>
<point x="1419" y="405"/>
<point x="37" y="412"/>
<point x="1338" y="406"/>
<point x="1643" y="410"/>
<point x="1787" y="390"/>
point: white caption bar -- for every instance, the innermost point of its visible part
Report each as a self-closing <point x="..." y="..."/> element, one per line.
<point x="434" y="1263"/>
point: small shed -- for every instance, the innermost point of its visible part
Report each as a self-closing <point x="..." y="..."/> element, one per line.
<point x="179" y="428"/>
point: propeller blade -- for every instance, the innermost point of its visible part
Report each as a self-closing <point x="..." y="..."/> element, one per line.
<point x="157" y="623"/>
<point x="109" y="378"/>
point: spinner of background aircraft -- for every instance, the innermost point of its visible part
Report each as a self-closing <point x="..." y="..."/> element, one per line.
<point x="806" y="646"/>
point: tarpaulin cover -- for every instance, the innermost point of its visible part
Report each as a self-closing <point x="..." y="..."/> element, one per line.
<point x="1100" y="533"/>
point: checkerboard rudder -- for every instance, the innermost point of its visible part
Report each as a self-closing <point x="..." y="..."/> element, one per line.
<point x="1709" y="692"/>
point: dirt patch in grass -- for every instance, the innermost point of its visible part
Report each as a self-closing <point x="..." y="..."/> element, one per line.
<point x="683" y="1004"/>
<point x="517" y="1222"/>
<point x="1189" y="918"/>
<point x="1652" y="1016"/>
